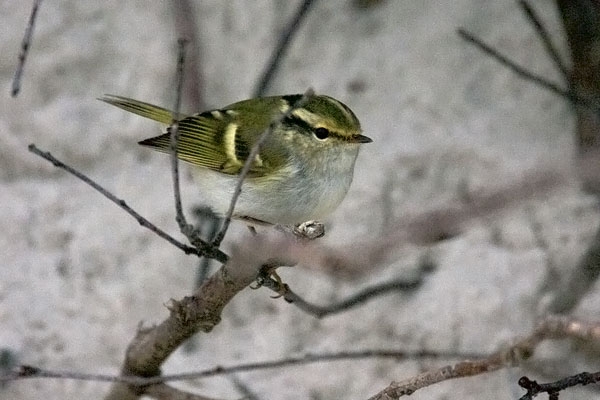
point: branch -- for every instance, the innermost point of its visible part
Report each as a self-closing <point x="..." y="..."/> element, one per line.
<point x="352" y="301"/>
<point x="545" y="38"/>
<point x="524" y="73"/>
<point x="282" y="46"/>
<point x="16" y="83"/>
<point x="185" y="228"/>
<point x="199" y="312"/>
<point x="29" y="372"/>
<point x="185" y="24"/>
<point x="222" y="257"/>
<point x="533" y="388"/>
<point x="553" y="327"/>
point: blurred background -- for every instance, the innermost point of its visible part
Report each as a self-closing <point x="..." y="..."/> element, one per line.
<point x="473" y="170"/>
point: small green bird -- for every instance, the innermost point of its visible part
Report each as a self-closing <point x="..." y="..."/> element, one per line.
<point x="302" y="171"/>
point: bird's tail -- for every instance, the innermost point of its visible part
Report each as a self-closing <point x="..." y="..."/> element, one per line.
<point x="145" y="110"/>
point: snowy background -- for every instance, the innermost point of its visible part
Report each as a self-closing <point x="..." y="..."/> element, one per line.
<point x="78" y="275"/>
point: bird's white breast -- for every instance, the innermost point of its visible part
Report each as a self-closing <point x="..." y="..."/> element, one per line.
<point x="295" y="194"/>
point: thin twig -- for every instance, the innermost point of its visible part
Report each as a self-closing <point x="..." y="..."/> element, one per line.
<point x="185" y="25"/>
<point x="16" y="83"/>
<point x="533" y="388"/>
<point x="185" y="228"/>
<point x="174" y="139"/>
<point x="251" y="158"/>
<point x="545" y="37"/>
<point x="343" y="305"/>
<point x="282" y="46"/>
<point x="28" y="372"/>
<point x="218" y="255"/>
<point x="552" y="327"/>
<point x="524" y="73"/>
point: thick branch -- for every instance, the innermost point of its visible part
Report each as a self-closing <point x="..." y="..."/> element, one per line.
<point x="199" y="312"/>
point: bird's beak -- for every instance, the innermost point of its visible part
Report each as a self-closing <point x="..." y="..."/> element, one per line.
<point x="361" y="139"/>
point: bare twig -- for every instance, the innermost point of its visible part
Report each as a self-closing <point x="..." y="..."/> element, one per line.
<point x="185" y="228"/>
<point x="545" y="37"/>
<point x="552" y="327"/>
<point x="581" y="23"/>
<point x="282" y="46"/>
<point x="343" y="305"/>
<point x="250" y="160"/>
<point x="524" y="73"/>
<point x="16" y="83"/>
<point x="581" y="280"/>
<point x="199" y="312"/>
<point x="218" y="255"/>
<point x="533" y="388"/>
<point x="29" y="372"/>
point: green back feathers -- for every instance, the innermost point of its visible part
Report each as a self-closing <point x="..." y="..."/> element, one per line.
<point x="222" y="139"/>
<point x="216" y="139"/>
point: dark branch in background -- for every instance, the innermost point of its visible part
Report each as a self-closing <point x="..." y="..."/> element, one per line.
<point x="282" y="46"/>
<point x="581" y="22"/>
<point x="250" y="160"/>
<point x="208" y="225"/>
<point x="220" y="256"/>
<point x="524" y="73"/>
<point x="185" y="24"/>
<point x="580" y="282"/>
<point x="533" y="388"/>
<point x="545" y="38"/>
<point x="16" y="83"/>
<point x="581" y="19"/>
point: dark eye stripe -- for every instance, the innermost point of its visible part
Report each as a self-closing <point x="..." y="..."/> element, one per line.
<point x="292" y="121"/>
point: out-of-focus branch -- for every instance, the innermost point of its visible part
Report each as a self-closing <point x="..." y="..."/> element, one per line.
<point x="582" y="279"/>
<point x="581" y="20"/>
<point x="185" y="24"/>
<point x="16" y="83"/>
<point x="282" y="45"/>
<point x="218" y="255"/>
<point x="545" y="38"/>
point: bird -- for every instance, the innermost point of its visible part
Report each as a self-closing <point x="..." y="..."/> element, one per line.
<point x="302" y="171"/>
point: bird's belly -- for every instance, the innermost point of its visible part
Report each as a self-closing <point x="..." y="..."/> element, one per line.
<point x="277" y="200"/>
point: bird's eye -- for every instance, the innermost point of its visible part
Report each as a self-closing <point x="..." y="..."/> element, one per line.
<point x="321" y="133"/>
